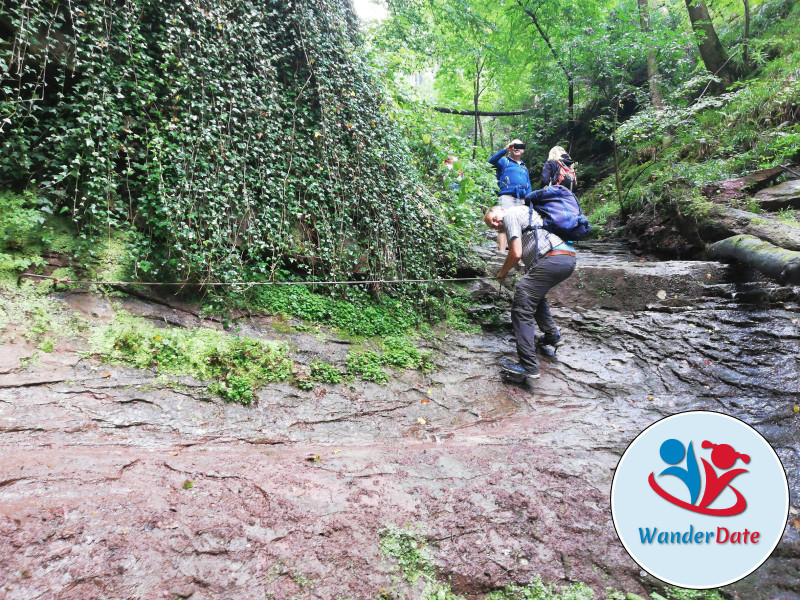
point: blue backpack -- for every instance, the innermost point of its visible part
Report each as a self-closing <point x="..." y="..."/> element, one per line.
<point x="560" y="212"/>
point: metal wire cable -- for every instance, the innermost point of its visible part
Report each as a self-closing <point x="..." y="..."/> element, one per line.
<point x="67" y="280"/>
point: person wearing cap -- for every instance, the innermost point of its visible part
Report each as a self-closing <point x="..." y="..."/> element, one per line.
<point x="548" y="261"/>
<point x="558" y="169"/>
<point x="513" y="180"/>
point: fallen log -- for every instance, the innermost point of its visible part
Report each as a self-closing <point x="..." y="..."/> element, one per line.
<point x="481" y="113"/>
<point x="772" y="261"/>
<point x="724" y="222"/>
<point x="741" y="187"/>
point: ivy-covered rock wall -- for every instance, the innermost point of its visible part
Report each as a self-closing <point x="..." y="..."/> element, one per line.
<point x="233" y="139"/>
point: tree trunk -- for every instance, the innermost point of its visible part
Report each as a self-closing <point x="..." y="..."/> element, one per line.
<point x="623" y="207"/>
<point x="745" y="51"/>
<point x="653" y="75"/>
<point x="476" y="89"/>
<point x="714" y="57"/>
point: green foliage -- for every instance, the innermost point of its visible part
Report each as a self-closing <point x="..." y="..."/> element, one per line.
<point x="789" y="215"/>
<point x="676" y="593"/>
<point x="358" y="315"/>
<point x="27" y="311"/>
<point x="21" y="221"/>
<point x="28" y="230"/>
<point x="397" y="351"/>
<point x="367" y="365"/>
<point x="537" y="590"/>
<point x="234" y="140"/>
<point x="407" y="546"/>
<point x="324" y="372"/>
<point x="734" y="132"/>
<point x="238" y="365"/>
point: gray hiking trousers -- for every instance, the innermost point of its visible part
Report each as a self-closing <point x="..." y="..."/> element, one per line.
<point x="530" y="308"/>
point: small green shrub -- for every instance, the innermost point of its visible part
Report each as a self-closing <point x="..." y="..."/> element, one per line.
<point x="789" y="215"/>
<point x="234" y="388"/>
<point x="359" y="314"/>
<point x="27" y="311"/>
<point x="367" y="365"/>
<point x="21" y="221"/>
<point x="47" y="345"/>
<point x="397" y="351"/>
<point x="400" y="352"/>
<point x="324" y="372"/>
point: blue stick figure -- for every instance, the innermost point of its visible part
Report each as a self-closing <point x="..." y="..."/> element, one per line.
<point x="672" y="452"/>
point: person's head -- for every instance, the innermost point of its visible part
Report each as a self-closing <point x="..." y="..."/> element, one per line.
<point x="556" y="153"/>
<point x="494" y="218"/>
<point x="516" y="149"/>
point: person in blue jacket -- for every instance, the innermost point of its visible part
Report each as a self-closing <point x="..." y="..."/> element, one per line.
<point x="513" y="180"/>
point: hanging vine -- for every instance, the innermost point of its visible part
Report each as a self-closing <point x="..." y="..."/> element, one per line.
<point x="231" y="139"/>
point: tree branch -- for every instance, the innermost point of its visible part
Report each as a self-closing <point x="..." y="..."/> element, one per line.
<point x="535" y="20"/>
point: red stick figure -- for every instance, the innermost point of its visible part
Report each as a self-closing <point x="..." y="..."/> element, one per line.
<point x="724" y="457"/>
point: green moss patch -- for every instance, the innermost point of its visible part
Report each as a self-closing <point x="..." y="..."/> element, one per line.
<point x="397" y="351"/>
<point x="407" y="547"/>
<point x="237" y="365"/>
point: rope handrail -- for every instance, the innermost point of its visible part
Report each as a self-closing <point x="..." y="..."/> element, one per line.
<point x="67" y="280"/>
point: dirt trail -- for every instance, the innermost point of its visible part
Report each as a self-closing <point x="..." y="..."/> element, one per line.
<point x="115" y="485"/>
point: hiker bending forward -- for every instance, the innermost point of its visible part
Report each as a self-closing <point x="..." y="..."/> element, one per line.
<point x="548" y="261"/>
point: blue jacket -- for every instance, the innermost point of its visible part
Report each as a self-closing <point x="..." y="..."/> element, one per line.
<point x="512" y="177"/>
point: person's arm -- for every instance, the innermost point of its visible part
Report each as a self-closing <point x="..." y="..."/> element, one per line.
<point x="496" y="157"/>
<point x="512" y="258"/>
<point x="547" y="173"/>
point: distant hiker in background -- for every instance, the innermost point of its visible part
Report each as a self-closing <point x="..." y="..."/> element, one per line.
<point x="548" y="261"/>
<point x="449" y="163"/>
<point x="513" y="180"/>
<point x="558" y="170"/>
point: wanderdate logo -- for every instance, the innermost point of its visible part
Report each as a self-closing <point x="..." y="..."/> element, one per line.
<point x="699" y="499"/>
<point x="723" y="457"/>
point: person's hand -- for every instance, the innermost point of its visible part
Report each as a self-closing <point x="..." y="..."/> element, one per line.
<point x="503" y="280"/>
<point x="508" y="148"/>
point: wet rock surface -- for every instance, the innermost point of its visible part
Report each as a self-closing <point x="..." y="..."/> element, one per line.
<point x="117" y="484"/>
<point x="784" y="195"/>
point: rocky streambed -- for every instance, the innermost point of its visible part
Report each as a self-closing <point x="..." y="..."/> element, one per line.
<point x="116" y="485"/>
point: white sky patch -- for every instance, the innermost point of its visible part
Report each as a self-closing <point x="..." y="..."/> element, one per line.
<point x="370" y="10"/>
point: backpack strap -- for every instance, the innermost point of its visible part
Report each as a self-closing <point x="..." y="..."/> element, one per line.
<point x="532" y="227"/>
<point x="565" y="171"/>
<point x="560" y="172"/>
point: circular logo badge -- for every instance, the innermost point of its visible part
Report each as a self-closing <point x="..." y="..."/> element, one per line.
<point x="699" y="499"/>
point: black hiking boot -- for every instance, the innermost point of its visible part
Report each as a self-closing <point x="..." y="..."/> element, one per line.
<point x="517" y="373"/>
<point x="554" y="340"/>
